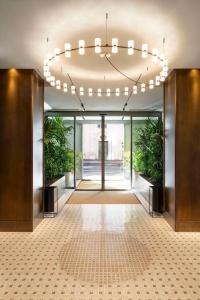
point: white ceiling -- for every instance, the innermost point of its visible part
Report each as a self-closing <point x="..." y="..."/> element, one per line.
<point x="25" y="25"/>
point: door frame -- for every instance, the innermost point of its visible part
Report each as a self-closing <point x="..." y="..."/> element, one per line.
<point x="103" y="114"/>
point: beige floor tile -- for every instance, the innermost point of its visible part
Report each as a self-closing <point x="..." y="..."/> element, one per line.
<point x="100" y="252"/>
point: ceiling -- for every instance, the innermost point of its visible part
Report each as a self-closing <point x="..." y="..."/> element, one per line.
<point x="25" y="25"/>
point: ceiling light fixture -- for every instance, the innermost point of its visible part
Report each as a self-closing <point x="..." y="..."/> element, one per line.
<point x="126" y="91"/>
<point x="117" y="91"/>
<point x="108" y="92"/>
<point x="103" y="49"/>
<point x="90" y="92"/>
<point x="99" y="92"/>
<point x="135" y="89"/>
<point x="143" y="87"/>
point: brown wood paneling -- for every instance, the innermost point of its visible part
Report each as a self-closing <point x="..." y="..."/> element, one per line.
<point x="185" y="101"/>
<point x="188" y="146"/>
<point x="17" y="98"/>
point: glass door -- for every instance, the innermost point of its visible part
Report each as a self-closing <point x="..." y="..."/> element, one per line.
<point x="102" y="152"/>
<point x="88" y="153"/>
<point x="117" y="142"/>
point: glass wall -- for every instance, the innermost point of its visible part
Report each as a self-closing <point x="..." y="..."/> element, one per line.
<point x="78" y="152"/>
<point x="70" y="159"/>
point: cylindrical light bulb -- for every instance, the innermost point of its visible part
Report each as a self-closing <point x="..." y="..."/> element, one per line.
<point x="117" y="91"/>
<point x="58" y="86"/>
<point x="65" y="87"/>
<point x="143" y="87"/>
<point x="52" y="81"/>
<point x="73" y="89"/>
<point x="45" y="62"/>
<point x="57" y="53"/>
<point x="130" y="47"/>
<point x="126" y="91"/>
<point x="97" y="43"/>
<point x="108" y="92"/>
<point x="144" y="50"/>
<point x="135" y="89"/>
<point x="155" y="55"/>
<point x="165" y="69"/>
<point x="81" y="50"/>
<point x="99" y="92"/>
<point x="157" y="80"/>
<point x="49" y="56"/>
<point x="151" y="84"/>
<point x="162" y="77"/>
<point x="50" y="59"/>
<point x="46" y="68"/>
<point x="90" y="92"/>
<point x="162" y="60"/>
<point x="81" y="91"/>
<point x="67" y="50"/>
<point x="114" y="45"/>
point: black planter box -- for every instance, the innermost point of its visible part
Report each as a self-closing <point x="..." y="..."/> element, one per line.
<point x="156" y="198"/>
<point x="51" y="199"/>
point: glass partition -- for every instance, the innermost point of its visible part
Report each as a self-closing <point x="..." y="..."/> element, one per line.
<point x="70" y="159"/>
<point x="95" y="152"/>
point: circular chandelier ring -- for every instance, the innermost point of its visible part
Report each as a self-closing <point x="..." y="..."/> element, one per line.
<point x="104" y="46"/>
<point x="145" y="52"/>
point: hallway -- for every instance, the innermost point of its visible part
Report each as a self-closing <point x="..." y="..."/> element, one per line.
<point x="100" y="252"/>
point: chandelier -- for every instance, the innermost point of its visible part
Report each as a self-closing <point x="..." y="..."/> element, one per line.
<point x="105" y="50"/>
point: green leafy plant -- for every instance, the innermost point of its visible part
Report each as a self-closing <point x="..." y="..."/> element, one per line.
<point x="69" y="167"/>
<point x="55" y="147"/>
<point x="148" y="155"/>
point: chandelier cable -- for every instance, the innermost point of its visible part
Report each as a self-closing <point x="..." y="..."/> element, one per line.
<point x="106" y="28"/>
<point x="123" y="74"/>
<point x="82" y="105"/>
<point x="126" y="103"/>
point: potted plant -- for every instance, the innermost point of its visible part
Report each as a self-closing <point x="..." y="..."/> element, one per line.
<point x="55" y="145"/>
<point x="148" y="159"/>
<point x="69" y="168"/>
<point x="56" y="142"/>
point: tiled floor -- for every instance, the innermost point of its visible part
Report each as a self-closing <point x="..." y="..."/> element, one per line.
<point x="100" y="252"/>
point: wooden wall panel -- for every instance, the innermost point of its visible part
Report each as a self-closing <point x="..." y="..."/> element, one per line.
<point x="17" y="98"/>
<point x="186" y="107"/>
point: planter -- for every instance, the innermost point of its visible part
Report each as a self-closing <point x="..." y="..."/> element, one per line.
<point x="156" y="198"/>
<point x="63" y="193"/>
<point x="69" y="179"/>
<point x="51" y="199"/>
<point x="148" y="193"/>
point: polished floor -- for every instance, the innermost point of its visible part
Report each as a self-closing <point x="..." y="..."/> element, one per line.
<point x="100" y="252"/>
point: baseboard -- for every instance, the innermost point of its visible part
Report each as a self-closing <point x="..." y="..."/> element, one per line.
<point x="187" y="226"/>
<point x="63" y="199"/>
<point x="16" y="226"/>
<point x="170" y="220"/>
<point x="142" y="200"/>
